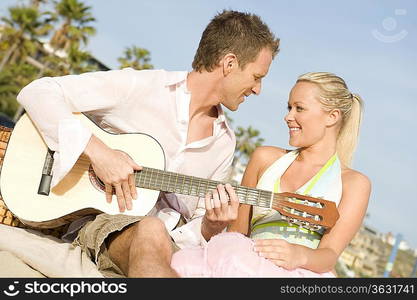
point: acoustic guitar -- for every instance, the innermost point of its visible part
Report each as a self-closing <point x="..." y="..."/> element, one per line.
<point x="26" y="176"/>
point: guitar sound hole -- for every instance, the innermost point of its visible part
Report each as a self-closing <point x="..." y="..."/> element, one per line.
<point x="95" y="181"/>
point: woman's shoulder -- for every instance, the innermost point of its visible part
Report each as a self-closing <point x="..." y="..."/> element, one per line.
<point x="267" y="153"/>
<point x="264" y="156"/>
<point x="356" y="192"/>
<point x="354" y="178"/>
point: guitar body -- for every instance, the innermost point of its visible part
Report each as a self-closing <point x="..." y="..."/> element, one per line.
<point x="79" y="192"/>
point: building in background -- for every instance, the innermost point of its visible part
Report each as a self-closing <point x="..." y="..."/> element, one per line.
<point x="368" y="253"/>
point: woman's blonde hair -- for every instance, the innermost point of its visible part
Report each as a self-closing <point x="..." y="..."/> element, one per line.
<point x="334" y="94"/>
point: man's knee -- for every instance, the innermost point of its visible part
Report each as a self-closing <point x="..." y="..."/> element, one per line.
<point x="151" y="236"/>
<point x="151" y="227"/>
<point x="147" y="229"/>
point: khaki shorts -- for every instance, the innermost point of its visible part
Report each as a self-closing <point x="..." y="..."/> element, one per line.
<point x="92" y="236"/>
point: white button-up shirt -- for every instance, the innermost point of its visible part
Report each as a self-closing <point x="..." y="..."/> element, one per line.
<point x="155" y="102"/>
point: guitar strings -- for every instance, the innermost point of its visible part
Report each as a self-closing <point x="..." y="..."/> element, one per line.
<point x="177" y="183"/>
<point x="173" y="182"/>
<point x="144" y="178"/>
<point x="184" y="184"/>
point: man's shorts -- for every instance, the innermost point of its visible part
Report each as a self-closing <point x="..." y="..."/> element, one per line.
<point x="91" y="238"/>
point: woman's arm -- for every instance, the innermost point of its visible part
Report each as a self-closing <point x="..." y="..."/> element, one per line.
<point x="352" y="210"/>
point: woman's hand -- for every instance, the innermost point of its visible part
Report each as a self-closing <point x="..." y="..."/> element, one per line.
<point x="282" y="253"/>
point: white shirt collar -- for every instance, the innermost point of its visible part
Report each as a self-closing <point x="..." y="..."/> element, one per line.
<point x="175" y="77"/>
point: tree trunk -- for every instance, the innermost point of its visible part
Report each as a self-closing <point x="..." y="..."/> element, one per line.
<point x="7" y="56"/>
<point x="34" y="62"/>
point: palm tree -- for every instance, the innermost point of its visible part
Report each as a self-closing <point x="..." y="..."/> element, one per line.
<point x="12" y="79"/>
<point x="21" y="33"/>
<point x="37" y="3"/>
<point x="8" y="91"/>
<point x="79" y="60"/>
<point x="75" y="28"/>
<point x="19" y="44"/>
<point x="135" y="57"/>
<point x="247" y="140"/>
<point x="25" y="26"/>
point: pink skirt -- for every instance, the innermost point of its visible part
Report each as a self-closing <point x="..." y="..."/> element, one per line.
<point x="231" y="254"/>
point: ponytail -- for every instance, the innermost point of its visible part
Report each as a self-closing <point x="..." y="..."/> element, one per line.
<point x="349" y="132"/>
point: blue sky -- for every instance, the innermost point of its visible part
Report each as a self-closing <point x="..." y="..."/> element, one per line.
<point x="371" y="44"/>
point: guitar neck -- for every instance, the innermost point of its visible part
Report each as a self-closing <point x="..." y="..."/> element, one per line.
<point x="171" y="182"/>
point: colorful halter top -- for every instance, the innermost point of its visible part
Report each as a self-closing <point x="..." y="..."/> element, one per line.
<point x="268" y="223"/>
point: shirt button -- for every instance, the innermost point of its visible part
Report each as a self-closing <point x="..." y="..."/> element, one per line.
<point x="183" y="122"/>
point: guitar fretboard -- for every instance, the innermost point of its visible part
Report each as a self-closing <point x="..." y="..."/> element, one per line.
<point x="171" y="182"/>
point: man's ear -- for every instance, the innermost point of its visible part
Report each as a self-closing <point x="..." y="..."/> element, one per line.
<point x="333" y="117"/>
<point x="229" y="63"/>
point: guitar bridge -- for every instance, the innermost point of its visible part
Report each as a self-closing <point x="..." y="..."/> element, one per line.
<point x="45" y="184"/>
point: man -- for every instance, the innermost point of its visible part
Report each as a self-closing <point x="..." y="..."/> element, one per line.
<point x="183" y="112"/>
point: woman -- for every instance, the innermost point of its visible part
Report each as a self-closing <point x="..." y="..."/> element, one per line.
<point x="323" y="120"/>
